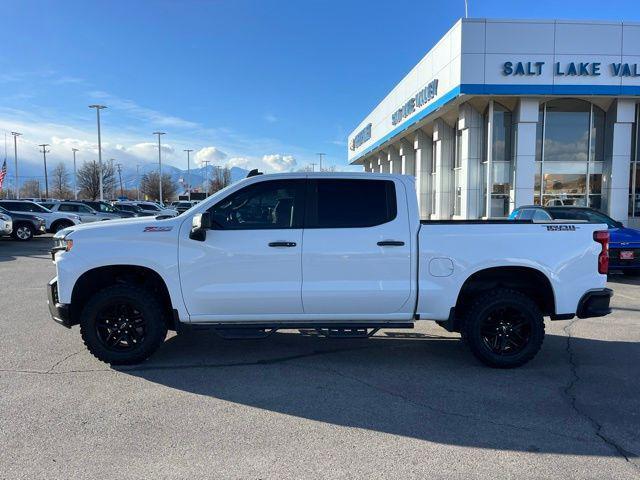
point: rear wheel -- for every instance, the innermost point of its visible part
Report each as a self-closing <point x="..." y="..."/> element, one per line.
<point x="504" y="328"/>
<point x="123" y="325"/>
<point x="23" y="232"/>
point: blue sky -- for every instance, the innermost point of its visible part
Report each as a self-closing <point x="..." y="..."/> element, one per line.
<point x="263" y="84"/>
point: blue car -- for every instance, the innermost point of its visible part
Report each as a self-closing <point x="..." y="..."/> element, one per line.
<point x="624" y="242"/>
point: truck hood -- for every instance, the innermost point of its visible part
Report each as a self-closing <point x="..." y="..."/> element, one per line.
<point x="121" y="226"/>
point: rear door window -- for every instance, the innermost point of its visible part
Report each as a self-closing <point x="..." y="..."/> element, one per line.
<point x="350" y="203"/>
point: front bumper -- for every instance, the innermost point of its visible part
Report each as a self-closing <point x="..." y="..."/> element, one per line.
<point x="60" y="312"/>
<point x="595" y="303"/>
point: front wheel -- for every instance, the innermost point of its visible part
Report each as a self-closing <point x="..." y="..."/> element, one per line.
<point x="23" y="232"/>
<point x="122" y="325"/>
<point x="56" y="227"/>
<point x="504" y="328"/>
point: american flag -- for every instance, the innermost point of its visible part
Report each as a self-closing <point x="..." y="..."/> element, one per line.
<point x="3" y="172"/>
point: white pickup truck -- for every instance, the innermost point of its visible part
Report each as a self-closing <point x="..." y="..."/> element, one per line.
<point x="345" y="254"/>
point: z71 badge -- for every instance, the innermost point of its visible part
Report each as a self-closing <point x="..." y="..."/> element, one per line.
<point x="560" y="228"/>
<point x="158" y="229"/>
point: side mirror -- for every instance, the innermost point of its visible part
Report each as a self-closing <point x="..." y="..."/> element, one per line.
<point x="199" y="226"/>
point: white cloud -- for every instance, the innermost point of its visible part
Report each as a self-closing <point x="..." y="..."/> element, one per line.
<point x="242" y="162"/>
<point x="270" y="118"/>
<point x="280" y="163"/>
<point x="210" y="154"/>
<point x="147" y="150"/>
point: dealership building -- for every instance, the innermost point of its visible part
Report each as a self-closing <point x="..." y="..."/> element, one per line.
<point x="504" y="113"/>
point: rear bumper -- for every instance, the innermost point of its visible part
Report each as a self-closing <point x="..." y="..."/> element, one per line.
<point x="595" y="303"/>
<point x="59" y="311"/>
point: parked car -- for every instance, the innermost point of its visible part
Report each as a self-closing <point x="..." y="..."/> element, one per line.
<point x="236" y="261"/>
<point x="6" y="224"/>
<point x="131" y="208"/>
<point x="25" y="226"/>
<point x="152" y="208"/>
<point x="624" y="242"/>
<point x="55" y="221"/>
<point x="183" y="206"/>
<point x="85" y="212"/>
<point x="107" y="209"/>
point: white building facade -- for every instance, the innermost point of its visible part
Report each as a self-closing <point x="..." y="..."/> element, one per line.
<point x="504" y="113"/>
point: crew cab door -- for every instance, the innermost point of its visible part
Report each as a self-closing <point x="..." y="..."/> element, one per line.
<point x="356" y="257"/>
<point x="249" y="265"/>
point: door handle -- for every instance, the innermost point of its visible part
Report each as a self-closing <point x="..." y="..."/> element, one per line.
<point x="282" y="244"/>
<point x="391" y="243"/>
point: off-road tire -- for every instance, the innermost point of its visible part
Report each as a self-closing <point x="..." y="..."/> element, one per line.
<point x="481" y="311"/>
<point x="155" y="328"/>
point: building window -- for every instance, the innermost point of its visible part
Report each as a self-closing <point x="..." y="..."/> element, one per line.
<point x="569" y="154"/>
<point x="497" y="170"/>
<point x="634" y="178"/>
<point x="457" y="173"/>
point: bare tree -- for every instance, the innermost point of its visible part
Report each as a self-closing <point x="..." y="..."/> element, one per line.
<point x="30" y="189"/>
<point x="89" y="180"/>
<point x="221" y="178"/>
<point x="61" y="187"/>
<point x="149" y="186"/>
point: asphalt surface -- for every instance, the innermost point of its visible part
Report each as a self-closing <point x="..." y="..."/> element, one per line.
<point x="404" y="404"/>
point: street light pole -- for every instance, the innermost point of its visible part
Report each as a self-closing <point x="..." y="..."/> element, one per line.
<point x="206" y="178"/>
<point x="15" y="156"/>
<point x="46" y="178"/>
<point x="188" y="173"/>
<point x="138" y="180"/>
<point x="321" y="156"/>
<point x="119" y="165"/>
<point x="160" y="163"/>
<point x="98" y="108"/>
<point x="75" y="175"/>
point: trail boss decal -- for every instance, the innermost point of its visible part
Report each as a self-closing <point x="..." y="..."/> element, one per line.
<point x="157" y="229"/>
<point x="560" y="228"/>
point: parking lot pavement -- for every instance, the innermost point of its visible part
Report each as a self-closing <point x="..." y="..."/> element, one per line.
<point x="404" y="404"/>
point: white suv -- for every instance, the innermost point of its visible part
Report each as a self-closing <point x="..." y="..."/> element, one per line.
<point x="55" y="221"/>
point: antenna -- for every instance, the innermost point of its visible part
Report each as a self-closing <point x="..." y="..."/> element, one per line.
<point x="466" y="9"/>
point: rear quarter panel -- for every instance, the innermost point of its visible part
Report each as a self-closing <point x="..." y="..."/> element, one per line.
<point x="568" y="256"/>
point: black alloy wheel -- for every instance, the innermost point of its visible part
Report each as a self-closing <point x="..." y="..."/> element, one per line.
<point x="504" y="328"/>
<point x="123" y="324"/>
<point x="120" y="326"/>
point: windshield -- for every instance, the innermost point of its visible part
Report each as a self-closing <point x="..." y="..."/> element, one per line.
<point x="34" y="207"/>
<point x="585" y="215"/>
<point x="105" y="207"/>
<point x="149" y="206"/>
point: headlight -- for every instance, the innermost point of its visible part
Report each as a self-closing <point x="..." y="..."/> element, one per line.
<point x="62" y="244"/>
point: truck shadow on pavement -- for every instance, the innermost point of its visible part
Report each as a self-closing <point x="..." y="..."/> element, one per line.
<point x="580" y="397"/>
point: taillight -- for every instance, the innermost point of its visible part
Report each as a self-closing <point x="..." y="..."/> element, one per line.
<point x="602" y="237"/>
